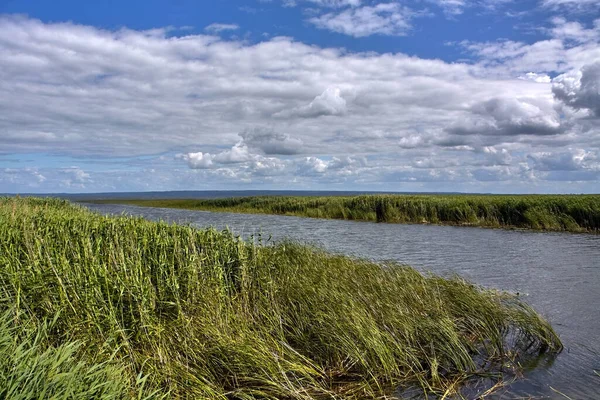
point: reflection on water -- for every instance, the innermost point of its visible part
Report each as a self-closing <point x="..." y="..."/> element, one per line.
<point x="558" y="274"/>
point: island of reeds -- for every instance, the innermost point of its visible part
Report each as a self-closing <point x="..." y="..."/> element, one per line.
<point x="570" y="213"/>
<point x="103" y="307"/>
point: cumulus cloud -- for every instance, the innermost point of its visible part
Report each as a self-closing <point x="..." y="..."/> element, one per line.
<point x="330" y="102"/>
<point x="340" y="166"/>
<point x="495" y="156"/>
<point x="390" y="19"/>
<point x="505" y="117"/>
<point x="539" y="78"/>
<point x="521" y="116"/>
<point x="267" y="167"/>
<point x="237" y="154"/>
<point x="270" y="142"/>
<point x="570" y="165"/>
<point x="347" y="162"/>
<point x="249" y="151"/>
<point x="580" y="89"/>
<point x="198" y="160"/>
<point x="561" y="161"/>
<point x="315" y="164"/>
<point x="411" y="142"/>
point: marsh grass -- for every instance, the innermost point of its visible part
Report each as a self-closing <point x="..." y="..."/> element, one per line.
<point x="572" y="213"/>
<point x="32" y="368"/>
<point x="185" y="313"/>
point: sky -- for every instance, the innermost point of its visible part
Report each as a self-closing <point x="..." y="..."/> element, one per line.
<point x="486" y="96"/>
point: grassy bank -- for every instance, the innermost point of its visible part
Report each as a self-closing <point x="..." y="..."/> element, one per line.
<point x="572" y="213"/>
<point x="129" y="308"/>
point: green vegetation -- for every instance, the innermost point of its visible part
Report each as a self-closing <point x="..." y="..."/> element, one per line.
<point x="572" y="213"/>
<point x="31" y="368"/>
<point x="107" y="307"/>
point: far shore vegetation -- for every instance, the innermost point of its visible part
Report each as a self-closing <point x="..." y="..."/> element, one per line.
<point x="100" y="307"/>
<point x="570" y="213"/>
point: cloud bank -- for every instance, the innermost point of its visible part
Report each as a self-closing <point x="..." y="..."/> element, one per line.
<point x="199" y="111"/>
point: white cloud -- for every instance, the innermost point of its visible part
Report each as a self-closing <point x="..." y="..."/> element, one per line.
<point x="330" y="102"/>
<point x="390" y="19"/>
<point x="83" y="92"/>
<point x="514" y="116"/>
<point x="75" y="177"/>
<point x="267" y="166"/>
<point x="315" y="164"/>
<point x="336" y="3"/>
<point x="218" y="28"/>
<point x="237" y="154"/>
<point x="347" y="162"/>
<point x="245" y="151"/>
<point x="32" y="177"/>
<point x="505" y="120"/>
<point x="199" y="160"/>
<point x="539" y="78"/>
<point x="571" y="5"/>
<point x="323" y="3"/>
<point x="270" y="142"/>
<point x="495" y="156"/>
<point x="575" y="31"/>
<point x="571" y="160"/>
<point x="580" y="89"/>
<point x="570" y="45"/>
<point x="452" y="7"/>
<point x="338" y="166"/>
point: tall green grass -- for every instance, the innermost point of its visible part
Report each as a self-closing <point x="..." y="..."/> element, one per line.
<point x="173" y="311"/>
<point x="32" y="368"/>
<point x="572" y="213"/>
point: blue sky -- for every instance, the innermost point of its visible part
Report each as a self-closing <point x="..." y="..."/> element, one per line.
<point x="429" y="37"/>
<point x="407" y="95"/>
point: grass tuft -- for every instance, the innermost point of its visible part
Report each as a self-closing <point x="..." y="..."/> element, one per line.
<point x="32" y="368"/>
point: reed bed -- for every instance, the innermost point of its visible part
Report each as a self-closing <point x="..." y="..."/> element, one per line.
<point x="571" y="213"/>
<point x="124" y="308"/>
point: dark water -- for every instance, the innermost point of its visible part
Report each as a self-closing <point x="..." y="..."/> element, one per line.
<point x="558" y="273"/>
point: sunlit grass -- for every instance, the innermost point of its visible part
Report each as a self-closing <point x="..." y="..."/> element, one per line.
<point x="167" y="310"/>
<point x="32" y="368"/>
<point x="573" y="213"/>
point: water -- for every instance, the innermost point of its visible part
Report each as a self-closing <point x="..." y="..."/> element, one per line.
<point x="558" y="273"/>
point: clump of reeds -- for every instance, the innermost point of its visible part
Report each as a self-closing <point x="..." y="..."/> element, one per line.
<point x="572" y="213"/>
<point x="31" y="367"/>
<point x="203" y="314"/>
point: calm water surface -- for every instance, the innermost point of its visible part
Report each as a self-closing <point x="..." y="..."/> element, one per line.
<point x="558" y="273"/>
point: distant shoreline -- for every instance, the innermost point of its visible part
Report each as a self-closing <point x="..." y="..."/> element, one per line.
<point x="219" y="194"/>
<point x="557" y="213"/>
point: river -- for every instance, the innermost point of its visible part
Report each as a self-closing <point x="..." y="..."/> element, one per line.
<point x="557" y="273"/>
